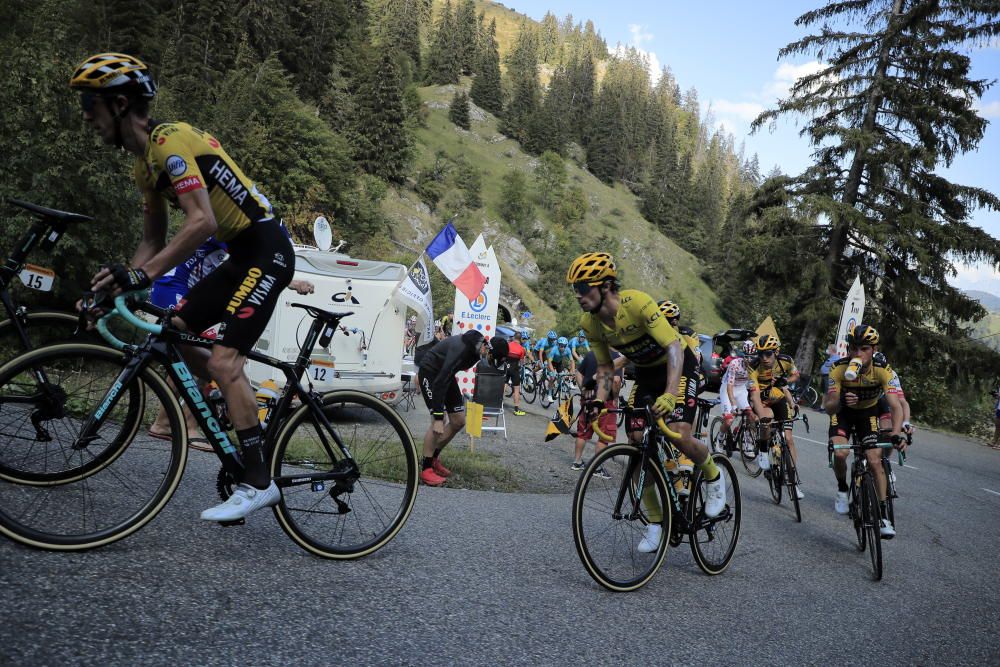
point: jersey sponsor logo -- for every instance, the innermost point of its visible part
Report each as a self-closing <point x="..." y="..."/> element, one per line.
<point x="175" y="165"/>
<point x="228" y="181"/>
<point x="198" y="404"/>
<point x="246" y="312"/>
<point x="213" y="142"/>
<point x="189" y="184"/>
<point x="260" y="292"/>
<point x="249" y="282"/>
<point x="279" y="259"/>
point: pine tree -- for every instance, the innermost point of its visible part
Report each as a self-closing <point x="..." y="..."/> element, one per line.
<point x="398" y="25"/>
<point x="443" y="66"/>
<point x="382" y="143"/>
<point x="895" y="101"/>
<point x="458" y="112"/>
<point x="487" y="91"/>
<point x="514" y="205"/>
<point x="526" y="91"/>
<point x="466" y="38"/>
<point x="549" y="39"/>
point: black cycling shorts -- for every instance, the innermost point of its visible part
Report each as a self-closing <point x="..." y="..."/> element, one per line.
<point x="514" y="372"/>
<point x="242" y="292"/>
<point x="863" y="422"/>
<point x="651" y="382"/>
<point x="453" y="400"/>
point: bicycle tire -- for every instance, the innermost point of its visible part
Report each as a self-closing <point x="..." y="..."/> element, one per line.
<point x="890" y="491"/>
<point x="545" y="398"/>
<point x="528" y="386"/>
<point x="791" y="481"/>
<point x="91" y="506"/>
<point x="871" y="519"/>
<point x="855" y="512"/>
<point x="606" y="543"/>
<point x="43" y="327"/>
<point x="748" y="452"/>
<point x="377" y="503"/>
<point x="776" y="475"/>
<point x="812" y="397"/>
<point x="713" y="541"/>
<point x="72" y="373"/>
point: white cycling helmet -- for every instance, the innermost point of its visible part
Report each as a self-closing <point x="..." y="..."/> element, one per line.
<point x="749" y="347"/>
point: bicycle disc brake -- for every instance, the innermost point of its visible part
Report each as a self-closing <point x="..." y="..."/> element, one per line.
<point x="51" y="406"/>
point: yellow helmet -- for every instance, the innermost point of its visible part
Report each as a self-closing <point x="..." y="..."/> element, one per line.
<point x="669" y="309"/>
<point x="863" y="334"/>
<point x="113" y="73"/>
<point x="767" y="342"/>
<point x="594" y="267"/>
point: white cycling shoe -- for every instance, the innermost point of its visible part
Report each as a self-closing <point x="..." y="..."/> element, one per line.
<point x="715" y="496"/>
<point x="840" y="504"/>
<point x="886" y="530"/>
<point x="245" y="499"/>
<point x="798" y="492"/>
<point x="763" y="462"/>
<point x="650" y="542"/>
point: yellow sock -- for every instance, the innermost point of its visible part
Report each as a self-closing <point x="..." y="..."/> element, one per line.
<point x="652" y="503"/>
<point x="711" y="470"/>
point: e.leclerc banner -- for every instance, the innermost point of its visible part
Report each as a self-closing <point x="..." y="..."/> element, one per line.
<point x="480" y="313"/>
<point x="853" y="312"/>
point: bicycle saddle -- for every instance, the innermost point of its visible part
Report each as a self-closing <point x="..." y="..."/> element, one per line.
<point x="708" y="402"/>
<point x="320" y="314"/>
<point x="51" y="213"/>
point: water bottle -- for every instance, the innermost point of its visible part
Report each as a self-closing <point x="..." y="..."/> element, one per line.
<point x="853" y="369"/>
<point x="219" y="407"/>
<point x="267" y="396"/>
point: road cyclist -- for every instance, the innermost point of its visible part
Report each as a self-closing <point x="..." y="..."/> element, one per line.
<point x="631" y="322"/>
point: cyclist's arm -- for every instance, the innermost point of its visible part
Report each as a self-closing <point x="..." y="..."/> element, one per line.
<point x="154" y="228"/>
<point x="831" y="403"/>
<point x="605" y="377"/>
<point x="897" y="412"/>
<point x="199" y="224"/>
<point x="675" y="362"/>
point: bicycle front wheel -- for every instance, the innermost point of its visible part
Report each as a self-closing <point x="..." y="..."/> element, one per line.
<point x="871" y="519"/>
<point x="792" y="482"/>
<point x="610" y="518"/>
<point x="42" y="328"/>
<point x="528" y="387"/>
<point x="67" y="495"/>
<point x="717" y="436"/>
<point x="776" y="478"/>
<point x="747" y="442"/>
<point x="358" y="513"/>
<point x="545" y="397"/>
<point x="713" y="540"/>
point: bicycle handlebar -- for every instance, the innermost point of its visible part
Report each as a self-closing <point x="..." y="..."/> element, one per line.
<point x="604" y="437"/>
<point x="121" y="309"/>
<point x="879" y="445"/>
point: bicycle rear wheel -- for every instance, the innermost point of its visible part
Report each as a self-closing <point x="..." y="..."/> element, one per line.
<point x="890" y="490"/>
<point x="545" y="394"/>
<point x="606" y="533"/>
<point x="43" y="327"/>
<point x="82" y="497"/>
<point x="717" y="437"/>
<point x="811" y="397"/>
<point x="713" y="541"/>
<point x="776" y="476"/>
<point x="352" y="517"/>
<point x="871" y="519"/>
<point x="528" y="386"/>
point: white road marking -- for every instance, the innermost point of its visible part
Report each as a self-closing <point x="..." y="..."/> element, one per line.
<point x="905" y="465"/>
<point x="995" y="493"/>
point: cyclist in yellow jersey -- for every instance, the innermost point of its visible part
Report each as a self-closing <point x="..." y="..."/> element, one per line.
<point x="770" y="372"/>
<point x="181" y="166"/>
<point x="630" y="321"/>
<point x="853" y="405"/>
<point x="692" y="362"/>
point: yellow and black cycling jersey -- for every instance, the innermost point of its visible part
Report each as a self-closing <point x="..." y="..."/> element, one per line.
<point x="762" y="378"/>
<point x="870" y="385"/>
<point x="641" y="333"/>
<point x="180" y="158"/>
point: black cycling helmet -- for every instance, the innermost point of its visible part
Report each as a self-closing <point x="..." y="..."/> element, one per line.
<point x="499" y="347"/>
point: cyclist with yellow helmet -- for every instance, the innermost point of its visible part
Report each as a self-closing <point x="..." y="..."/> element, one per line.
<point x="187" y="168"/>
<point x="630" y="321"/>
<point x="672" y="312"/>
<point x="853" y="406"/>
<point x="769" y="373"/>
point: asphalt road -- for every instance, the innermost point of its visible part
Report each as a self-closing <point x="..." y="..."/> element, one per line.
<point x="489" y="578"/>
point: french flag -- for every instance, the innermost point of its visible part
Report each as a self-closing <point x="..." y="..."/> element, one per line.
<point x="451" y="256"/>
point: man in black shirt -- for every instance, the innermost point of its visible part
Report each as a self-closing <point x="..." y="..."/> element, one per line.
<point x="438" y="386"/>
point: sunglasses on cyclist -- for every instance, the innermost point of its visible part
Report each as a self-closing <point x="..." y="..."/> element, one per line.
<point x="767" y="353"/>
<point x="87" y="101"/>
<point x="583" y="288"/>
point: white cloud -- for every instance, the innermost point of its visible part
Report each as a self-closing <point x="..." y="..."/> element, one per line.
<point x="785" y="77"/>
<point x="989" y="109"/>
<point x="652" y="61"/>
<point x="736" y="116"/>
<point x="743" y="110"/>
<point x="976" y="276"/>
<point x="639" y="34"/>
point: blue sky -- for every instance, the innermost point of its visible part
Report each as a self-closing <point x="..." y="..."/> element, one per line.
<point x="728" y="51"/>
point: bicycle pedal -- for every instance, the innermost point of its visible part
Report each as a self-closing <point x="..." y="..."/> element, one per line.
<point x="235" y="522"/>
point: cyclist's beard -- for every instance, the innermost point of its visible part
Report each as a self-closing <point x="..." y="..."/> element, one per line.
<point x="600" y="304"/>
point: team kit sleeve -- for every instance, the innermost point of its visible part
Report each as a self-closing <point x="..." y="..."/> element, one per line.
<point x="170" y="149"/>
<point x="600" y="348"/>
<point x="656" y="325"/>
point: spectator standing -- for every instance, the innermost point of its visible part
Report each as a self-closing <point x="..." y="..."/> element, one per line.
<point x="587" y="381"/>
<point x="824" y="370"/>
<point x="515" y="356"/>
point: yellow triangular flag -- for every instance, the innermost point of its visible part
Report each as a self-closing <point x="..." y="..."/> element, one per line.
<point x="474" y="419"/>
<point x="767" y="327"/>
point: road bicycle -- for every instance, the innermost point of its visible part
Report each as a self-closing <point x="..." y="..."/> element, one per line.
<point x="890" y="481"/>
<point x="611" y="512"/>
<point x="529" y="388"/>
<point x="741" y="438"/>
<point x="563" y="388"/>
<point x="804" y="393"/>
<point x="24" y="329"/>
<point x="783" y="473"/>
<point x="863" y="504"/>
<point x="345" y="461"/>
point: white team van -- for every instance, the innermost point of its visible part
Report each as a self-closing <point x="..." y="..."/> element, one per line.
<point x="367" y="352"/>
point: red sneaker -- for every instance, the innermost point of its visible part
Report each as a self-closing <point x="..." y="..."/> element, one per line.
<point x="439" y="468"/>
<point x="431" y="478"/>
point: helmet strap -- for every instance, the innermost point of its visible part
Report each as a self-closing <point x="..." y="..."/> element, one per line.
<point x="119" y="117"/>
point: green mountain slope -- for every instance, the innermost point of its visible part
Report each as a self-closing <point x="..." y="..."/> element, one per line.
<point x="648" y="260"/>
